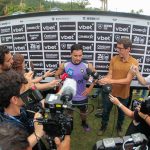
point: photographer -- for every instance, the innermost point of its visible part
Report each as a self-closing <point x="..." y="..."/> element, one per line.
<point x="141" y="118"/>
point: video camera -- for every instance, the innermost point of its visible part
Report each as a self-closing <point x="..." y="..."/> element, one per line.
<point x="31" y="99"/>
<point x="55" y="120"/>
<point x="135" y="141"/>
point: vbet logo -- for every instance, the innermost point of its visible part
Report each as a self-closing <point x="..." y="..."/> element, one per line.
<point x="86" y="26"/>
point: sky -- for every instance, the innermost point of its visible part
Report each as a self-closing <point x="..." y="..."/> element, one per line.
<point x="122" y="5"/>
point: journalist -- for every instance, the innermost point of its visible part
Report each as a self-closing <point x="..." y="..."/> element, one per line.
<point x="140" y="116"/>
<point x="12" y="85"/>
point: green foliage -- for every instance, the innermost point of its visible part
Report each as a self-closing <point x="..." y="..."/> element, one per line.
<point x="140" y="11"/>
<point x="7" y="7"/>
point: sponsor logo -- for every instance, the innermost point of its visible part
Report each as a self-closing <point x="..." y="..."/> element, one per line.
<point x="138" y="39"/>
<point x="50" y="64"/>
<point x="87" y="46"/>
<point x="5" y="30"/>
<point x="6" y="39"/>
<point x="66" y="46"/>
<point x="82" y="70"/>
<point x="34" y="46"/>
<point x="67" y="25"/>
<point x="38" y="64"/>
<point x="67" y="36"/>
<point x="50" y="46"/>
<point x="86" y="36"/>
<point x="65" y="55"/>
<point x="10" y="47"/>
<point x="33" y="27"/>
<point x="25" y="54"/>
<point x="104" y="37"/>
<point x="34" y="37"/>
<point x="86" y="26"/>
<point x="102" y="66"/>
<point x="122" y="28"/>
<point x="147" y="59"/>
<point x="103" y="47"/>
<point x="139" y="58"/>
<point x="50" y="36"/>
<point x="120" y="36"/>
<point x="139" y="29"/>
<point x="102" y="57"/>
<point x="146" y="69"/>
<point x="88" y="56"/>
<point x="70" y="72"/>
<point x="37" y="55"/>
<point x="49" y="26"/>
<point x="19" y="37"/>
<point x="19" y="28"/>
<point x="104" y="26"/>
<point x="51" y="55"/>
<point x="20" y="47"/>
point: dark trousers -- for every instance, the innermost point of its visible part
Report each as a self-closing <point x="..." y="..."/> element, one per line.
<point x="107" y="107"/>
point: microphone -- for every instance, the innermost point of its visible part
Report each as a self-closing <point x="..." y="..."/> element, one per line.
<point x="89" y="71"/>
<point x="68" y="89"/>
<point x="88" y="78"/>
<point x="53" y="69"/>
<point x="63" y="77"/>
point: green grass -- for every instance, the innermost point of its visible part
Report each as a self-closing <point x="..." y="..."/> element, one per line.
<point x="81" y="140"/>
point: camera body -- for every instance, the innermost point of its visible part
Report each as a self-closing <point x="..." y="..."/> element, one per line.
<point x="55" y="119"/>
<point x="127" y="142"/>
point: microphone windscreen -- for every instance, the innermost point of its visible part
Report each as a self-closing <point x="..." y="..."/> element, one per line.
<point x="70" y="84"/>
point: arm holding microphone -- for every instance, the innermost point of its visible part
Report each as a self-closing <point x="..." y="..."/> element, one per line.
<point x="90" y="71"/>
<point x="59" y="71"/>
<point x="46" y="74"/>
<point x="128" y="112"/>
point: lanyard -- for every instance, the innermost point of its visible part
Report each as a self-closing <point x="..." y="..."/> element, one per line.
<point x="15" y="119"/>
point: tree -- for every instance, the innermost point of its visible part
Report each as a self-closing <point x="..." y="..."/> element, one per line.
<point x="140" y="11"/>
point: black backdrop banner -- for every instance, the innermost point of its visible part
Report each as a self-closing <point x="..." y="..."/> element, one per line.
<point x="45" y="38"/>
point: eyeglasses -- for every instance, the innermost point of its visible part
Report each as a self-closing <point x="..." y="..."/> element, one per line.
<point x="119" y="48"/>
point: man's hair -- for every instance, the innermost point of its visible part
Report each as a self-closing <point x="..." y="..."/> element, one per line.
<point x="126" y="42"/>
<point x="76" y="47"/>
<point x="3" y="50"/>
<point x="10" y="84"/>
<point x="18" y="61"/>
<point x="12" y="137"/>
